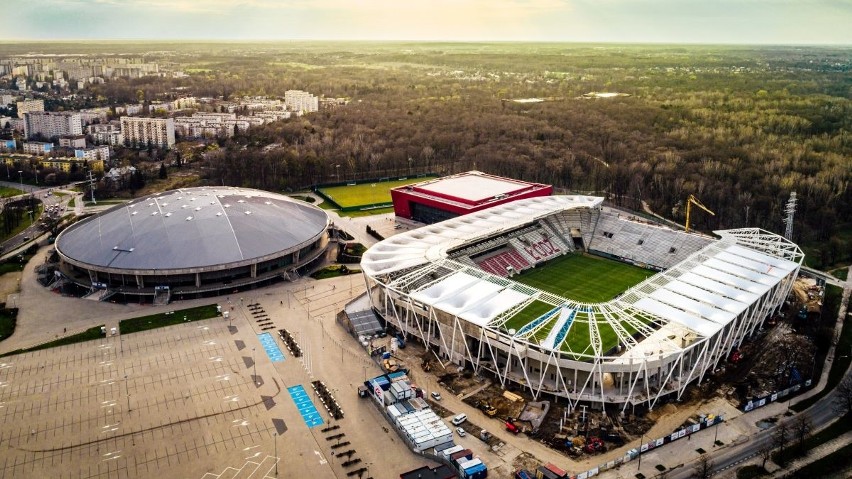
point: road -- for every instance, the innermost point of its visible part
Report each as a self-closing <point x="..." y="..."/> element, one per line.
<point x="32" y="231"/>
<point x="821" y="414"/>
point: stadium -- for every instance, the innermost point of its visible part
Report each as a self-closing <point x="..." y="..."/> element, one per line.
<point x="562" y="296"/>
<point x="192" y="241"/>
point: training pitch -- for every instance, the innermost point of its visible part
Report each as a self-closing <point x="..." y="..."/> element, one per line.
<point x="364" y="194"/>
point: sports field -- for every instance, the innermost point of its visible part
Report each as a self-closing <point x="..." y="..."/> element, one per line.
<point x="364" y="194"/>
<point x="584" y="278"/>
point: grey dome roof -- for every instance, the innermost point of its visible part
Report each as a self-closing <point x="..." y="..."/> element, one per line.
<point x="193" y="229"/>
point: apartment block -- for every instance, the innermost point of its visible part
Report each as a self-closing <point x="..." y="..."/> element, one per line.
<point x="140" y="132"/>
<point x="51" y="124"/>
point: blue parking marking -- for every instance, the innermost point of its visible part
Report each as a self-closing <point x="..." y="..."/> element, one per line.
<point x="271" y="347"/>
<point x="305" y="406"/>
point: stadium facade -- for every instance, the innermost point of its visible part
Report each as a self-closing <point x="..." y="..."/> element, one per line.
<point x="450" y="285"/>
<point x="193" y="241"/>
<point x="443" y="198"/>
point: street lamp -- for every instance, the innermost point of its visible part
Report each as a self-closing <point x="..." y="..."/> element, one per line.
<point x="641" y="440"/>
<point x="254" y="364"/>
<point x="276" y="453"/>
<point x="127" y="390"/>
<point x="21" y="173"/>
<point x="337" y="171"/>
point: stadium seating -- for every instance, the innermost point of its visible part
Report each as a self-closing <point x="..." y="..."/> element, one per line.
<point x="626" y="237"/>
<point x="499" y="263"/>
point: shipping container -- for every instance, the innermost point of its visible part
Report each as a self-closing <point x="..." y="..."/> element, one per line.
<point x="465" y="453"/>
<point x="545" y="473"/>
<point x="559" y="472"/>
<point x="448" y="452"/>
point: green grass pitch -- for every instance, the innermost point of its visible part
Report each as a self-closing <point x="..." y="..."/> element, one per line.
<point x="364" y="194"/>
<point x="584" y="278"/>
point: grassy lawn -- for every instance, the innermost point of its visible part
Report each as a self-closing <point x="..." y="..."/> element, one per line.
<point x="6" y="192"/>
<point x="841" y="426"/>
<point x="8" y="319"/>
<point x="840" y="273"/>
<point x="374" y="211"/>
<point x="169" y="318"/>
<point x="842" y="351"/>
<point x="584" y="278"/>
<point x="833" y="463"/>
<point x="72" y="202"/>
<point x="104" y="202"/>
<point x="87" y="335"/>
<point x="366" y="193"/>
<point x="25" y="223"/>
<point x="334" y="271"/>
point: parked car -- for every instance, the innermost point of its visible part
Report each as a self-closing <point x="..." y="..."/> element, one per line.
<point x="435" y="395"/>
<point x="461" y="432"/>
<point x="458" y="419"/>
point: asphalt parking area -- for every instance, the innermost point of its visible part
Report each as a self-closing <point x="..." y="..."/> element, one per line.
<point x="179" y="401"/>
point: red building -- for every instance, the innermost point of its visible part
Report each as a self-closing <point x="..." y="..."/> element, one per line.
<point x="444" y="198"/>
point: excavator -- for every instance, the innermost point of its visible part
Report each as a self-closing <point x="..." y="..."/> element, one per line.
<point x="692" y="200"/>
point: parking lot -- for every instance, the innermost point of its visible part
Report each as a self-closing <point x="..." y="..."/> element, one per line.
<point x="182" y="401"/>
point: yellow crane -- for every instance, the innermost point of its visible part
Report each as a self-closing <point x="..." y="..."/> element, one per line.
<point x="692" y="200"/>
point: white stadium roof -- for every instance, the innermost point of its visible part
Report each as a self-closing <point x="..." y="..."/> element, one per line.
<point x="697" y="297"/>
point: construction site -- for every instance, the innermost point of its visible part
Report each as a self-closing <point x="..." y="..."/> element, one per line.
<point x="780" y="354"/>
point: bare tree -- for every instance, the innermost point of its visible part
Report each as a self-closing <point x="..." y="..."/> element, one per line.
<point x="703" y="468"/>
<point x="765" y="453"/>
<point x="779" y="439"/>
<point x="802" y="427"/>
<point x="843" y="401"/>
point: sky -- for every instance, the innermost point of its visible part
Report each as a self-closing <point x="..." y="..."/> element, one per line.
<point x="618" y="21"/>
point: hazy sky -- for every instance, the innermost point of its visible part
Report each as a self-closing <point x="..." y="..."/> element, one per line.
<point x="674" y="21"/>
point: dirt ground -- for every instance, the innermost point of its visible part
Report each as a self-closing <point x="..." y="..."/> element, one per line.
<point x="10" y="283"/>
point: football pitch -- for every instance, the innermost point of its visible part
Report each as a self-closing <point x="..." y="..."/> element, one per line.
<point x="584" y="278"/>
<point x="364" y="194"/>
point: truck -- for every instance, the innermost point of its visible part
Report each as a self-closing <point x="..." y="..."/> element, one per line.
<point x="400" y="340"/>
<point x="514" y="426"/>
<point x="487" y="408"/>
<point x="485" y="435"/>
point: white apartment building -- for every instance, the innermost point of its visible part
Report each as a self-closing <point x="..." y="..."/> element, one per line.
<point x="93" y="153"/>
<point x="7" y="100"/>
<point x="136" y="131"/>
<point x="51" y="124"/>
<point x="27" y="106"/>
<point x="302" y="101"/>
<point x="72" y="141"/>
<point x="105" y="133"/>
<point x="37" y="148"/>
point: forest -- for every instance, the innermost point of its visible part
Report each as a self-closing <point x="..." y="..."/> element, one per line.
<point x="739" y="127"/>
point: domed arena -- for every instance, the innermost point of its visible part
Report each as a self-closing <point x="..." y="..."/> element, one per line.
<point x="194" y="241"/>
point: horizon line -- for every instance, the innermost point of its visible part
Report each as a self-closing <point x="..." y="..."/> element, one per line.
<point x="387" y="41"/>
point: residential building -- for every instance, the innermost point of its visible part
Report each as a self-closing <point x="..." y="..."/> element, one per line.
<point x="6" y="100"/>
<point x="93" y="153"/>
<point x="8" y="145"/>
<point x="37" y="147"/>
<point x="67" y="165"/>
<point x="129" y="109"/>
<point x="140" y="132"/>
<point x="72" y="141"/>
<point x="27" y="106"/>
<point x="105" y="133"/>
<point x="301" y="101"/>
<point x="51" y="124"/>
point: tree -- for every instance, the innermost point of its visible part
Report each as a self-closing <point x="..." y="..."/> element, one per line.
<point x="163" y="172"/>
<point x="802" y="427"/>
<point x="843" y="400"/>
<point x="765" y="453"/>
<point x="779" y="440"/>
<point x="703" y="468"/>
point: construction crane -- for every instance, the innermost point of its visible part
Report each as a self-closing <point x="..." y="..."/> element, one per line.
<point x="692" y="200"/>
